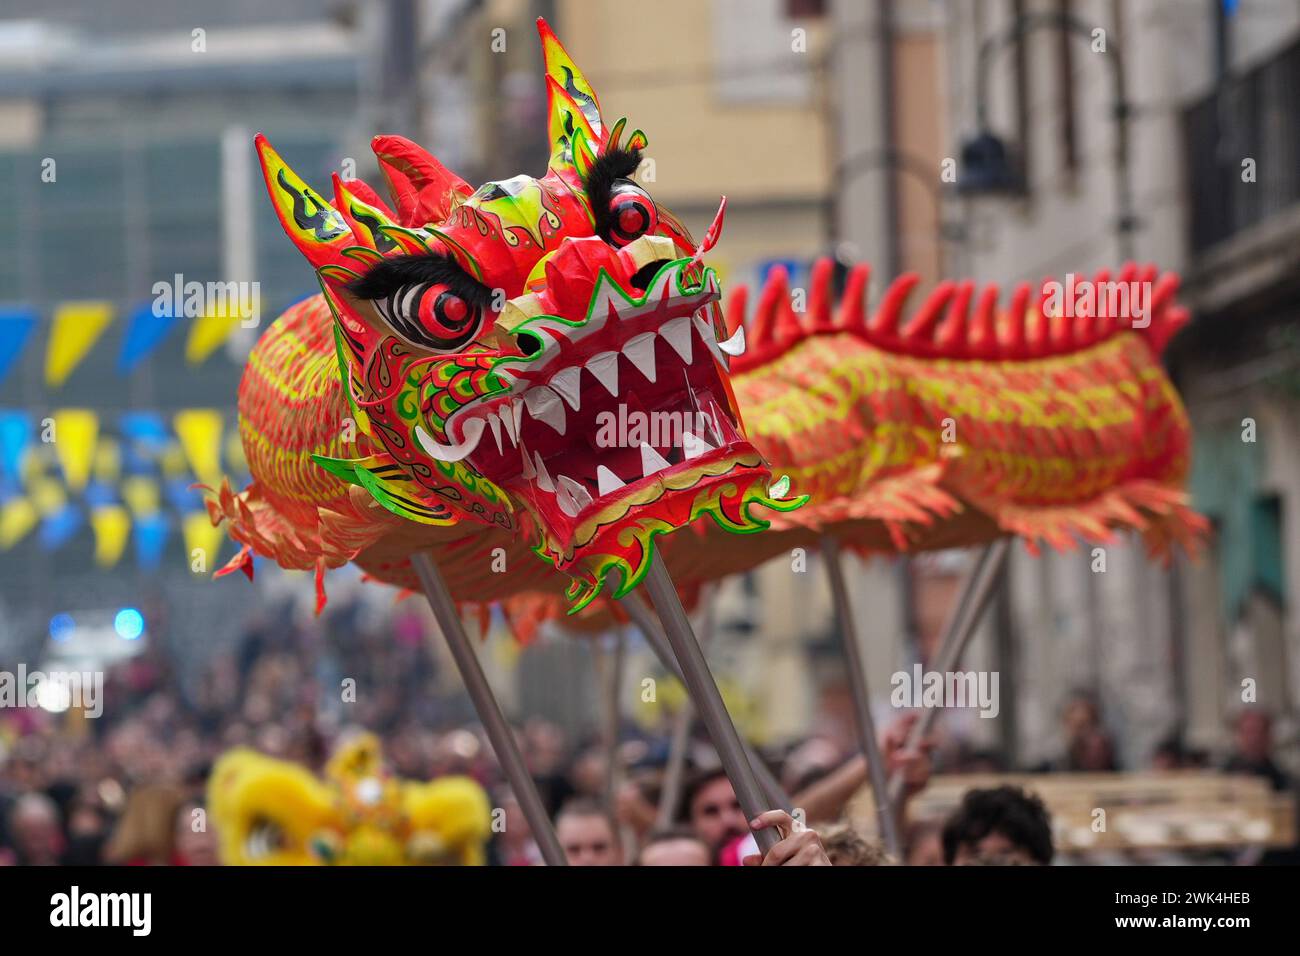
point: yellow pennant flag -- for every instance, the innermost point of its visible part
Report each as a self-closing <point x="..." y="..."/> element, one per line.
<point x="112" y="527"/>
<point x="202" y="542"/>
<point x="210" y="331"/>
<point x="141" y="495"/>
<point x="199" y="430"/>
<point x="17" y="517"/>
<point x="47" y="496"/>
<point x="76" y="328"/>
<point x="108" y="461"/>
<point x="76" y="435"/>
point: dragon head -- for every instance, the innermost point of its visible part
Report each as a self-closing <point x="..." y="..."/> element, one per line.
<point x="547" y="356"/>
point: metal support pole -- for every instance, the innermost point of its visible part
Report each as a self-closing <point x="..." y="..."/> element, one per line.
<point x="500" y="733"/>
<point x="643" y="617"/>
<point x="708" y="701"/>
<point x="971" y="603"/>
<point x="857" y="674"/>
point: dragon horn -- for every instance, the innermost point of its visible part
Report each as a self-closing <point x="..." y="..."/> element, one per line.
<point x="422" y="187"/>
<point x="318" y="229"/>
<point x="370" y="225"/>
<point x="570" y="80"/>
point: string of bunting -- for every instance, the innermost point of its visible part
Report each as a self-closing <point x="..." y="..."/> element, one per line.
<point x="129" y="480"/>
<point x="76" y="327"/>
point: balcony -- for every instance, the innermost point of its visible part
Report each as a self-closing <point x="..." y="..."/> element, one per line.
<point x="1255" y="116"/>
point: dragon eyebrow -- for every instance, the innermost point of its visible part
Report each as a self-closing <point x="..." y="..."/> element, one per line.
<point x="397" y="272"/>
<point x="611" y="165"/>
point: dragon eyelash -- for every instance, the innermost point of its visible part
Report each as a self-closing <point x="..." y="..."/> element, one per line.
<point x="609" y="167"/>
<point x="393" y="274"/>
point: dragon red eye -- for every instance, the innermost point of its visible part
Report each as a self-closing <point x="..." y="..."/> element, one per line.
<point x="433" y="316"/>
<point x="445" y="317"/>
<point x="631" y="215"/>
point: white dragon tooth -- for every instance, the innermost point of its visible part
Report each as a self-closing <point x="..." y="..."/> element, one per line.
<point x="571" y="496"/>
<point x="528" y="471"/>
<point x="545" y="406"/>
<point x="566" y="383"/>
<point x="473" y="432"/>
<point x="543" y="476"/>
<point x="694" y="446"/>
<point x="705" y="328"/>
<point x="605" y="367"/>
<point x="517" y="411"/>
<point x="495" y="424"/>
<point x="640" y="351"/>
<point x="508" y="421"/>
<point x="677" y="333"/>
<point x="736" y="344"/>
<point x="565" y="500"/>
<point x="651" y="461"/>
<point x="607" y="481"/>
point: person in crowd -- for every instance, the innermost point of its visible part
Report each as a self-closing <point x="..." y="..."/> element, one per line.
<point x="712" y="811"/>
<point x="675" y="846"/>
<point x="1002" y="821"/>
<point x="1252" y="750"/>
<point x="146" y="833"/>
<point x="194" y="841"/>
<point x="845" y="846"/>
<point x="36" y="831"/>
<point x="588" y="834"/>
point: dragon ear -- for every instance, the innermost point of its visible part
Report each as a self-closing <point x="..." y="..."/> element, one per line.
<point x="422" y="187"/>
<point x="571" y="102"/>
<point x="316" y="228"/>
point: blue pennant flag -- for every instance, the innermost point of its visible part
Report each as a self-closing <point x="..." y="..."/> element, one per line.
<point x="151" y="534"/>
<point x="15" y="436"/>
<point x="145" y="329"/>
<point x="59" y="526"/>
<point x="15" y="326"/>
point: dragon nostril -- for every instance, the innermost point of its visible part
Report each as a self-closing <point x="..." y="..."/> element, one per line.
<point x="641" y="280"/>
<point x="529" y="343"/>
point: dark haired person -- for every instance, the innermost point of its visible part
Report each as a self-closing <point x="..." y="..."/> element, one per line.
<point x="1004" y="822"/>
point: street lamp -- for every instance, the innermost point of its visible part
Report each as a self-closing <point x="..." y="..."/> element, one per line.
<point x="987" y="164"/>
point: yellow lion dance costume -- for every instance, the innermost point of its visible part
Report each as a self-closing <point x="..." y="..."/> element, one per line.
<point x="274" y="813"/>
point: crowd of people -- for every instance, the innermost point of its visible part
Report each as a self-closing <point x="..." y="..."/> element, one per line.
<point x="124" y="788"/>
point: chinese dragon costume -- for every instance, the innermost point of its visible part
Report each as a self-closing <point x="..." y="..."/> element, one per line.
<point x="445" y="392"/>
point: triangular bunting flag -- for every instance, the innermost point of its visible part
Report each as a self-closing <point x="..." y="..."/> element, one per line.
<point x="17" y="517"/>
<point x="76" y="327"/>
<point x="76" y="434"/>
<point x="144" y="331"/>
<point x="112" y="527"/>
<point x="151" y="533"/>
<point x="202" y="542"/>
<point x="199" y="430"/>
<point x="15" y="326"/>
<point x="209" y="332"/>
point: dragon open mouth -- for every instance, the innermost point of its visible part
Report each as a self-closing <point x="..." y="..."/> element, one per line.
<point x="613" y="411"/>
